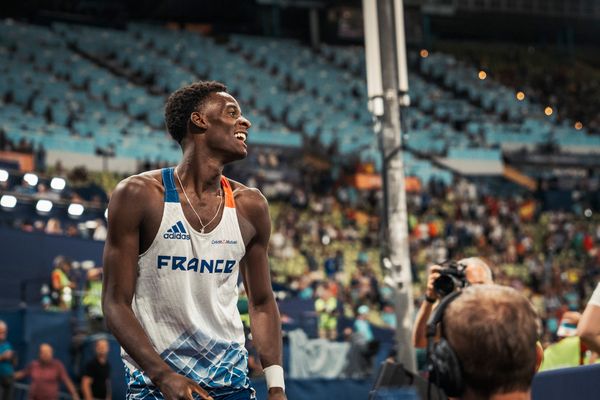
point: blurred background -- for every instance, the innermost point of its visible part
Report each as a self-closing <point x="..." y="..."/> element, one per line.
<point x="501" y="151"/>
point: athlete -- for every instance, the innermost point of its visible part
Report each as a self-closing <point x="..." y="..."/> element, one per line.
<point x="177" y="238"/>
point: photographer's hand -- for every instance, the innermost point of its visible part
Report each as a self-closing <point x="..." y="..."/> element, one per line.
<point x="434" y="273"/>
<point x="420" y="327"/>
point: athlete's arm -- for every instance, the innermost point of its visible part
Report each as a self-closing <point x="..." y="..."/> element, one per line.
<point x="125" y="215"/>
<point x="264" y="314"/>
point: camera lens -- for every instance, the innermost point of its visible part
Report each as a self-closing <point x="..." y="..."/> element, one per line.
<point x="444" y="285"/>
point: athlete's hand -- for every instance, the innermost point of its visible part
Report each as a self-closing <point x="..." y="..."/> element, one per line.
<point x="277" y="393"/>
<point x="434" y="273"/>
<point x="177" y="387"/>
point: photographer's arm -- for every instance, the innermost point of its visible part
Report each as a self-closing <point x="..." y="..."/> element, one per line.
<point x="420" y="328"/>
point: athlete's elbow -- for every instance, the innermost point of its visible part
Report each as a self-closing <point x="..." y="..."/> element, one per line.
<point x="112" y="311"/>
<point x="263" y="303"/>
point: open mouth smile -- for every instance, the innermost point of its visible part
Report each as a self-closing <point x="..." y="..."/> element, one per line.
<point x="241" y="135"/>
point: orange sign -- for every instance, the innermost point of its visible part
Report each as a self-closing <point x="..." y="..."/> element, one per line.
<point x="25" y="161"/>
<point x="374" y="181"/>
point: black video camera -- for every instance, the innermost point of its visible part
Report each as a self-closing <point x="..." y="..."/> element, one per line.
<point x="452" y="277"/>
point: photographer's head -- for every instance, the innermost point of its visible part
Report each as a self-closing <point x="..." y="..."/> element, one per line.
<point x="493" y="331"/>
<point x="477" y="271"/>
<point x="450" y="276"/>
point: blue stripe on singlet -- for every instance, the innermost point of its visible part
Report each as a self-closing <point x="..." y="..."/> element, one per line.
<point x="171" y="195"/>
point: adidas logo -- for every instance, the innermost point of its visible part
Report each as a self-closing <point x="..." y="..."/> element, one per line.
<point x="177" y="231"/>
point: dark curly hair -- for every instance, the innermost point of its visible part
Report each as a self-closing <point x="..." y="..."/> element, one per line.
<point x="184" y="101"/>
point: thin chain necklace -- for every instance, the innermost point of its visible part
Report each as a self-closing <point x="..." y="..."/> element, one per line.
<point x="194" y="210"/>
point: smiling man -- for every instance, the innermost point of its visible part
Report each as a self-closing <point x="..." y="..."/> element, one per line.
<point x="177" y="239"/>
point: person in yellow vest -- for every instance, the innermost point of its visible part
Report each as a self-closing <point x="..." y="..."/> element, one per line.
<point x="62" y="287"/>
<point x="326" y="308"/>
<point x="92" y="300"/>
<point x="569" y="351"/>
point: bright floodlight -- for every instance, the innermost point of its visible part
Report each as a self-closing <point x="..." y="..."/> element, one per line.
<point x="31" y="179"/>
<point x="8" y="201"/>
<point x="43" y="205"/>
<point x="75" y="209"/>
<point x="3" y="175"/>
<point x="57" y="183"/>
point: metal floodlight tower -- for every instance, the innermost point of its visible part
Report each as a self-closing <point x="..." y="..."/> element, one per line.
<point x="387" y="87"/>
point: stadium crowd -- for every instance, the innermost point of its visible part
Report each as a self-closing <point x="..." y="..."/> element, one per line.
<point x="325" y="246"/>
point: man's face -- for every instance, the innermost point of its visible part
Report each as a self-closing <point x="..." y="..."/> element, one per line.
<point x="46" y="353"/>
<point x="66" y="266"/>
<point x="102" y="347"/>
<point x="3" y="333"/>
<point x="227" y="129"/>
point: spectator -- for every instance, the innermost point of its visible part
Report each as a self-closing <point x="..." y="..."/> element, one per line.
<point x="568" y="351"/>
<point x="25" y="188"/>
<point x="476" y="272"/>
<point x="62" y="286"/>
<point x="362" y="326"/>
<point x="388" y="315"/>
<point x="363" y="346"/>
<point x="492" y="331"/>
<point x="589" y="325"/>
<point x="92" y="300"/>
<point x="326" y="308"/>
<point x="44" y="193"/>
<point x="53" y="227"/>
<point x="6" y="364"/>
<point x="46" y="373"/>
<point x="100" y="231"/>
<point x="95" y="383"/>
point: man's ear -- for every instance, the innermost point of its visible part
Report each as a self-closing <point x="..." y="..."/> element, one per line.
<point x="539" y="355"/>
<point x="198" y="121"/>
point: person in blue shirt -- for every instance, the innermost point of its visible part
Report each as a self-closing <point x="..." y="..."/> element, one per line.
<point x="6" y="364"/>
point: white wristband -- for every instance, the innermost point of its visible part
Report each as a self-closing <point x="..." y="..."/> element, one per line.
<point x="274" y="376"/>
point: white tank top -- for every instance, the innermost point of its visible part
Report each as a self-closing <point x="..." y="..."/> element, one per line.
<point x="186" y="300"/>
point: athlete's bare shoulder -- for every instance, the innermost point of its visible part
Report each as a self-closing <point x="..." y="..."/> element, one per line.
<point x="140" y="184"/>
<point x="253" y="208"/>
<point x="136" y="190"/>
<point x="247" y="196"/>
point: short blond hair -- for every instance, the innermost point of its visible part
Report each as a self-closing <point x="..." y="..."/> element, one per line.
<point x="493" y="330"/>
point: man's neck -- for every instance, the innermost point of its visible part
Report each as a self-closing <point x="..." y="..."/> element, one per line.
<point x="512" y="396"/>
<point x="517" y="395"/>
<point x="200" y="171"/>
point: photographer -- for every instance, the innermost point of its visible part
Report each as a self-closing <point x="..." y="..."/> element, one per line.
<point x="468" y="271"/>
<point x="492" y="332"/>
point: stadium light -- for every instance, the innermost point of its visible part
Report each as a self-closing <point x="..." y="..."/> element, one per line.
<point x="548" y="111"/>
<point x="424" y="53"/>
<point x="482" y="75"/>
<point x="58" y="183"/>
<point x="31" y="179"/>
<point x="75" y="209"/>
<point x="3" y="175"/>
<point x="43" y="206"/>
<point x="578" y="125"/>
<point x="520" y="96"/>
<point x="8" y="201"/>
